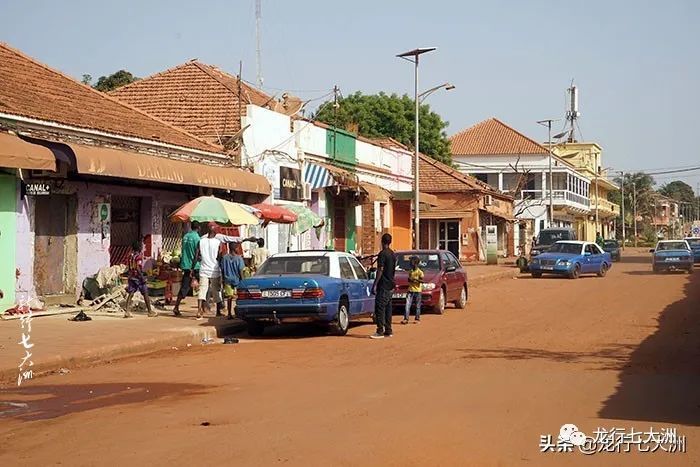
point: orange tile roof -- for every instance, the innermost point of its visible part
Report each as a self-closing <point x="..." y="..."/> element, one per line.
<point x="493" y="137"/>
<point x="436" y="177"/>
<point x="199" y="98"/>
<point x="32" y="89"/>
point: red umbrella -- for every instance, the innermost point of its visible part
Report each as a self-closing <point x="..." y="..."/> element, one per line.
<point x="272" y="213"/>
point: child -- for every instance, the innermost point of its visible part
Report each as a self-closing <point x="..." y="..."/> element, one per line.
<point x="247" y="270"/>
<point x="137" y="281"/>
<point x="415" y="281"/>
<point x="231" y="269"/>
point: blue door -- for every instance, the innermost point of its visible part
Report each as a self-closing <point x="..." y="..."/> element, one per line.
<point x="350" y="285"/>
<point x="364" y="287"/>
<point x="593" y="258"/>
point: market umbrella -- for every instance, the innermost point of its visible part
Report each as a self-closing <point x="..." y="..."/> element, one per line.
<point x="272" y="213"/>
<point x="213" y="209"/>
<point x="306" y="219"/>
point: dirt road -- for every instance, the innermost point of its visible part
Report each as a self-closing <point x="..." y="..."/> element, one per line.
<point x="472" y="387"/>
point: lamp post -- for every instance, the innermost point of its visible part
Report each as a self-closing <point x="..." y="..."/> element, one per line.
<point x="548" y="124"/>
<point x="413" y="56"/>
<point x="622" y="206"/>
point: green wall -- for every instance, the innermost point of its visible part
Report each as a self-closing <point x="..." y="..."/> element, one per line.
<point x="345" y="144"/>
<point x="350" y="233"/>
<point x="8" y="230"/>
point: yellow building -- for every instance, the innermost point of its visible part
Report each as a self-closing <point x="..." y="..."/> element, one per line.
<point x="587" y="158"/>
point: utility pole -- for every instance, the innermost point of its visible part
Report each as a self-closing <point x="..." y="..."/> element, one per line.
<point x="634" y="209"/>
<point x="548" y="123"/>
<point x="335" y="119"/>
<point x="597" y="168"/>
<point x="258" y="53"/>
<point x="622" y="207"/>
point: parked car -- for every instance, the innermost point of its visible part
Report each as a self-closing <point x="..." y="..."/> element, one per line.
<point x="612" y="247"/>
<point x="548" y="237"/>
<point x="694" y="243"/>
<point x="572" y="258"/>
<point x="445" y="280"/>
<point x="319" y="286"/>
<point x="672" y="255"/>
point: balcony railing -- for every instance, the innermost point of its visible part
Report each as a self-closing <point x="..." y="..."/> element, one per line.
<point x="605" y="205"/>
<point x="558" y="197"/>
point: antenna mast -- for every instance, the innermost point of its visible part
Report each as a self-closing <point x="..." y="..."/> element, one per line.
<point x="257" y="42"/>
<point x="572" y="113"/>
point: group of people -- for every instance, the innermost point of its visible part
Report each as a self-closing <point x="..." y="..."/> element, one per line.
<point x="211" y="261"/>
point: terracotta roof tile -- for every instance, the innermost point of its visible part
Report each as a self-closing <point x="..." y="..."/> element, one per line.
<point x="32" y="89"/>
<point x="493" y="137"/>
<point x="199" y="98"/>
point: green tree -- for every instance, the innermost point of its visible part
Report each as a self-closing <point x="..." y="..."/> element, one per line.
<point x="87" y="79"/>
<point x="383" y="115"/>
<point x="113" y="81"/>
<point x="643" y="185"/>
<point x="678" y="190"/>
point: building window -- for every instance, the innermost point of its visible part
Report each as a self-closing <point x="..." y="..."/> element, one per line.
<point x="482" y="177"/>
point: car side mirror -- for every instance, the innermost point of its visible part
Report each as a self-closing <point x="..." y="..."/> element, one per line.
<point x="651" y="250"/>
<point x="450" y="268"/>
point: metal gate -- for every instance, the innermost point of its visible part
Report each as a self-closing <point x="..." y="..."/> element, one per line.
<point x="172" y="231"/>
<point x="125" y="228"/>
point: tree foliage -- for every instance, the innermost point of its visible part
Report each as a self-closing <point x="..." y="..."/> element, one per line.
<point x="383" y="115"/>
<point x="113" y="81"/>
<point x="678" y="190"/>
<point x="643" y="185"/>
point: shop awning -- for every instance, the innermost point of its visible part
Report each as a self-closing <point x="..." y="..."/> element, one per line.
<point x="320" y="175"/>
<point x="425" y="198"/>
<point x="495" y="213"/>
<point x="375" y="192"/>
<point x="94" y="160"/>
<point x="19" y="154"/>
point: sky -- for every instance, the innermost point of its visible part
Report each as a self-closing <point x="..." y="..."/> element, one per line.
<point x="636" y="64"/>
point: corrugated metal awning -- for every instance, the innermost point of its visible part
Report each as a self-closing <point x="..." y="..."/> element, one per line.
<point x="19" y="154"/>
<point x="108" y="162"/>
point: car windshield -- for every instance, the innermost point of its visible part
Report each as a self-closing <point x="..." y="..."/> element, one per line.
<point x="426" y="261"/>
<point x="549" y="237"/>
<point x="610" y="244"/>
<point x="286" y="265"/>
<point x="671" y="246"/>
<point x="693" y="242"/>
<point x="572" y="248"/>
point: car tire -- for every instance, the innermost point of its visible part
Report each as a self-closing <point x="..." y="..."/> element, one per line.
<point x="536" y="275"/>
<point x="256" y="328"/>
<point x="603" y="270"/>
<point x="576" y="272"/>
<point x="342" y="322"/>
<point x="440" y="307"/>
<point x="463" y="296"/>
<point x="655" y="270"/>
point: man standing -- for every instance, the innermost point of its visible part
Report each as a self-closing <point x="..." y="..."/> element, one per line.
<point x="383" y="288"/>
<point x="259" y="254"/>
<point x="209" y="272"/>
<point x="189" y="263"/>
<point x="599" y="240"/>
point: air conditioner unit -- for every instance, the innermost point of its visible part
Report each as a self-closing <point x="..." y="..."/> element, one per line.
<point x="307" y="191"/>
<point x="488" y="200"/>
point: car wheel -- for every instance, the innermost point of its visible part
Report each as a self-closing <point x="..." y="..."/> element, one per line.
<point x="655" y="270"/>
<point x="576" y="272"/>
<point x="536" y="275"/>
<point x="342" y="322"/>
<point x="255" y="328"/>
<point x="462" y="302"/>
<point x="603" y="270"/>
<point x="440" y="307"/>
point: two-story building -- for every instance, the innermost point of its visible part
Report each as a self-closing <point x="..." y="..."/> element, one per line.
<point x="665" y="216"/>
<point x="514" y="164"/>
<point x="587" y="158"/>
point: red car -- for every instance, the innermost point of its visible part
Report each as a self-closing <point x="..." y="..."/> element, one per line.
<point x="445" y="280"/>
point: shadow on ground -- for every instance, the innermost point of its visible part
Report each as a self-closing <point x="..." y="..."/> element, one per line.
<point x="612" y="357"/>
<point x="47" y="402"/>
<point x="660" y="382"/>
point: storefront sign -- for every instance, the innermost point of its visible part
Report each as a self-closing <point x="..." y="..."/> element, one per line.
<point x="491" y="244"/>
<point x="291" y="188"/>
<point x="38" y="189"/>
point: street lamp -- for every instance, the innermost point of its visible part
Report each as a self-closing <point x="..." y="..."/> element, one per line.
<point x="413" y="56"/>
<point x="424" y="94"/>
<point x="548" y="124"/>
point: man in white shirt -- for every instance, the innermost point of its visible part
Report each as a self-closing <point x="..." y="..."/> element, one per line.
<point x="209" y="271"/>
<point x="260" y="254"/>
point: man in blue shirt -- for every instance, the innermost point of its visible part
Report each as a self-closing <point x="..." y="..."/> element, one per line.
<point x="189" y="263"/>
<point x="231" y="265"/>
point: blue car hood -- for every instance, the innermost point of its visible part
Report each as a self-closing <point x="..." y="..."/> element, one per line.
<point x="554" y="255"/>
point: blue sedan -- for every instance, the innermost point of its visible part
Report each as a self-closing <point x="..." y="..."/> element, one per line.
<point x="694" y="243"/>
<point x="318" y="286"/>
<point x="672" y="255"/>
<point x="571" y="259"/>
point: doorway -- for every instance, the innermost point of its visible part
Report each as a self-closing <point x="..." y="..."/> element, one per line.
<point x="448" y="236"/>
<point x="125" y="228"/>
<point x="54" y="261"/>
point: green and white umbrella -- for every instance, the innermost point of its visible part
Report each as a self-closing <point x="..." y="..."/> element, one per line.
<point x="306" y="219"/>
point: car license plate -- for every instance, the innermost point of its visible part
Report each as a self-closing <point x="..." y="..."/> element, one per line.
<point x="399" y="295"/>
<point x="672" y="259"/>
<point x="547" y="268"/>
<point x="276" y="293"/>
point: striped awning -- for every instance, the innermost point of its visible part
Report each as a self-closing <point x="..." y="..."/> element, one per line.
<point x="317" y="176"/>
